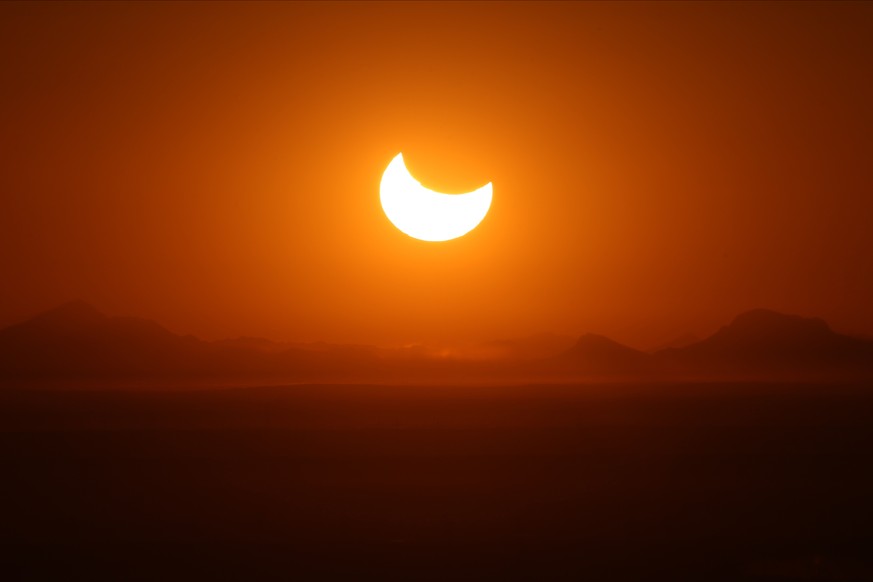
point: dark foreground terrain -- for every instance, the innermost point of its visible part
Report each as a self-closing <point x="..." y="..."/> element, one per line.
<point x="610" y="482"/>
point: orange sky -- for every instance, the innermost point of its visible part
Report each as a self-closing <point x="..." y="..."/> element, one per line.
<point x="657" y="168"/>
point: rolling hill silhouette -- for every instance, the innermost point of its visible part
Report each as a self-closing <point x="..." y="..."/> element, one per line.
<point x="77" y="342"/>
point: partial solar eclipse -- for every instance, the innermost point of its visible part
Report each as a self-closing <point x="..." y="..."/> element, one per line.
<point x="427" y="215"/>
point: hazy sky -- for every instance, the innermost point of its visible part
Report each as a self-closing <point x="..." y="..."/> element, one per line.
<point x="657" y="168"/>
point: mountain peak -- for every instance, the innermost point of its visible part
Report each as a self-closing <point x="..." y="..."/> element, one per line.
<point x="599" y="355"/>
<point x="765" y="343"/>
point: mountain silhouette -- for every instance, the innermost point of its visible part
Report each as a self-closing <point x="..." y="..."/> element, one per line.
<point x="77" y="342"/>
<point x="75" y="339"/>
<point x="764" y="343"/>
<point x="596" y="355"/>
<point x="532" y="347"/>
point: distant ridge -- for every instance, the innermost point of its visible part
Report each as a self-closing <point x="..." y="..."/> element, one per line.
<point x="73" y="315"/>
<point x="764" y="343"/>
<point x="597" y="355"/>
<point x="531" y="347"/>
<point x="757" y="344"/>
<point x="75" y="341"/>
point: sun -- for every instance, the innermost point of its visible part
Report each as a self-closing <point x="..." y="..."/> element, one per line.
<point x="427" y="215"/>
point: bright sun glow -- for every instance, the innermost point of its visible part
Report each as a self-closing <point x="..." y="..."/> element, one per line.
<point x="428" y="215"/>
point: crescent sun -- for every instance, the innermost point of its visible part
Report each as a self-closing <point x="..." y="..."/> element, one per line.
<point x="427" y="215"/>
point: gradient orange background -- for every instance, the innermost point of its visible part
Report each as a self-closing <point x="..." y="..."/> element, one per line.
<point x="657" y="168"/>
